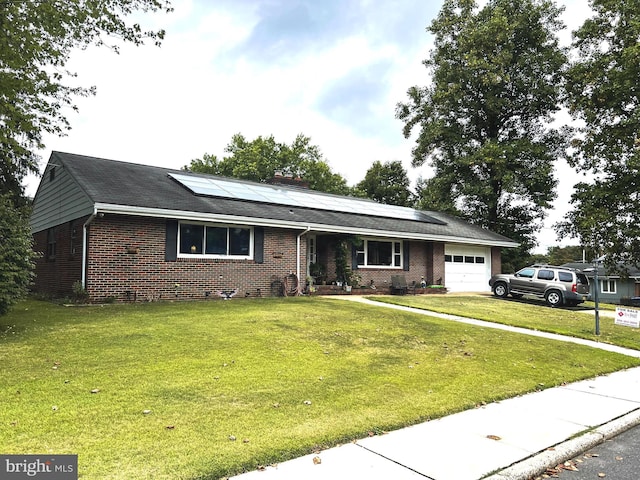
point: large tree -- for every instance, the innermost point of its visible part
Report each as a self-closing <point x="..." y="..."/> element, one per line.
<point x="387" y="183"/>
<point x="484" y="120"/>
<point x="36" y="43"/>
<point x="16" y="253"/>
<point x="259" y="159"/>
<point x="37" y="40"/>
<point x="604" y="95"/>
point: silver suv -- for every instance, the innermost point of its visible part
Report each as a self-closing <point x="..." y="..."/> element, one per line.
<point x="557" y="285"/>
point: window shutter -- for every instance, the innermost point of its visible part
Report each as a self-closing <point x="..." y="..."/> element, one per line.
<point x="405" y="255"/>
<point x="258" y="244"/>
<point x="171" y="242"/>
<point x="354" y="257"/>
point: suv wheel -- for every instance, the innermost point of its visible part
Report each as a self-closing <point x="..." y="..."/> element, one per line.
<point x="553" y="298"/>
<point x="500" y="290"/>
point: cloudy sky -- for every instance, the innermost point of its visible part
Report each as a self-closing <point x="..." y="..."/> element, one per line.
<point x="332" y="70"/>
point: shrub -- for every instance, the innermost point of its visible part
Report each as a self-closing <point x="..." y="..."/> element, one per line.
<point x="16" y="253"/>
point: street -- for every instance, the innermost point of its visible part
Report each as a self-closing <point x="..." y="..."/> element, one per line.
<point x="615" y="459"/>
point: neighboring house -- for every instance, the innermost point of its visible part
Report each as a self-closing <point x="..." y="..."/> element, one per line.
<point x="129" y="232"/>
<point x="612" y="287"/>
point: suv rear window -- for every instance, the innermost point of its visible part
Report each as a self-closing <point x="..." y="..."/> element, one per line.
<point x="582" y="279"/>
<point x="565" y="276"/>
<point x="546" y="275"/>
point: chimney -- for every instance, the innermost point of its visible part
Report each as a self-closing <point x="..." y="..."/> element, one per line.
<point x="287" y="179"/>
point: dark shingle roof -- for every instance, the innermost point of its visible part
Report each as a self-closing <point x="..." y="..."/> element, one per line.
<point x="138" y="186"/>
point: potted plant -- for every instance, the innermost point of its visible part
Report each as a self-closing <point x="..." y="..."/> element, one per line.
<point x="318" y="272"/>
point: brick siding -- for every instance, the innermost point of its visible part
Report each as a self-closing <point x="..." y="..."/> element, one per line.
<point x="496" y="260"/>
<point x="55" y="275"/>
<point x="126" y="262"/>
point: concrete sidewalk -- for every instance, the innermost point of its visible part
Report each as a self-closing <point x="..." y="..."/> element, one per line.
<point x="508" y="440"/>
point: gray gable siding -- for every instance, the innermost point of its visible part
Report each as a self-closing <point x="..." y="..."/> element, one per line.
<point x="58" y="201"/>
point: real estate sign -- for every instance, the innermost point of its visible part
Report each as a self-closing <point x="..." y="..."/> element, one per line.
<point x="627" y="317"/>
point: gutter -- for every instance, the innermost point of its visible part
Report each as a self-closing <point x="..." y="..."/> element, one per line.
<point x="85" y="242"/>
<point x="298" y="249"/>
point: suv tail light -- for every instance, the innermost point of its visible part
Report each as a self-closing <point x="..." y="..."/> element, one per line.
<point x="574" y="288"/>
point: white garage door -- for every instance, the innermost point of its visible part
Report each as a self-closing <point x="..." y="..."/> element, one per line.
<point x="467" y="268"/>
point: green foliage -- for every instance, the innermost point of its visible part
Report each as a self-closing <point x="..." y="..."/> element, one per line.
<point x="36" y="43"/>
<point x="562" y="255"/>
<point x="604" y="95"/>
<point x="16" y="254"/>
<point x="387" y="183"/>
<point x="259" y="159"/>
<point x="80" y="294"/>
<point x="497" y="77"/>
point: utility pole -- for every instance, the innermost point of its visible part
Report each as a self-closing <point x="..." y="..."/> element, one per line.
<point x="595" y="294"/>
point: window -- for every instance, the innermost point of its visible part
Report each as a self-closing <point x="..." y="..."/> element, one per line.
<point x="73" y="233"/>
<point x="219" y="241"/>
<point x="565" y="276"/>
<point x="608" y="286"/>
<point x="526" y="273"/>
<point x="312" y="253"/>
<point x="463" y="259"/>
<point x="51" y="243"/>
<point x="380" y="253"/>
<point x="546" y="275"/>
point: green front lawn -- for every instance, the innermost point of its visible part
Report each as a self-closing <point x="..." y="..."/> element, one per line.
<point x="528" y="314"/>
<point x="209" y="389"/>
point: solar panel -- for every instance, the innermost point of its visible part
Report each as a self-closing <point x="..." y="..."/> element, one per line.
<point x="275" y="194"/>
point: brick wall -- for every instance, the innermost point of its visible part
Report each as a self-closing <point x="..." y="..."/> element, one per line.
<point x="436" y="271"/>
<point x="126" y="261"/>
<point x="496" y="260"/>
<point x="55" y="275"/>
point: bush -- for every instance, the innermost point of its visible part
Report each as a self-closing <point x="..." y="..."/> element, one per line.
<point x="16" y="253"/>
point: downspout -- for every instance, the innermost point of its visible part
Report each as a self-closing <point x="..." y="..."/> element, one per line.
<point x="298" y="250"/>
<point x="85" y="241"/>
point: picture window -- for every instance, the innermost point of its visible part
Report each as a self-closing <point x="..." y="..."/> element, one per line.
<point x="219" y="241"/>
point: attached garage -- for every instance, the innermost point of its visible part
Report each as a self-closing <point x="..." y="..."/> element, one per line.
<point x="467" y="268"/>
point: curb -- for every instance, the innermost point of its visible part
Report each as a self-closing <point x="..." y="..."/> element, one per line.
<point x="538" y="463"/>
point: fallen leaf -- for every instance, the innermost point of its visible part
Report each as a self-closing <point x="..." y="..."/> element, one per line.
<point x="276" y="405"/>
<point x="232" y="438"/>
<point x="317" y="460"/>
<point x="307" y="402"/>
<point x="245" y="440"/>
<point x="602" y="475"/>
<point x="619" y="458"/>
<point x="146" y="412"/>
<point x="54" y="408"/>
<point x="95" y="390"/>
<point x="494" y="437"/>
<point x="170" y="427"/>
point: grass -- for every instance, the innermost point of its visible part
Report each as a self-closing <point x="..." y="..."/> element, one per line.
<point x="281" y="376"/>
<point x="527" y="314"/>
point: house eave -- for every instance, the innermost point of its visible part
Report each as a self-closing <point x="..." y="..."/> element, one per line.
<point x="310" y="226"/>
